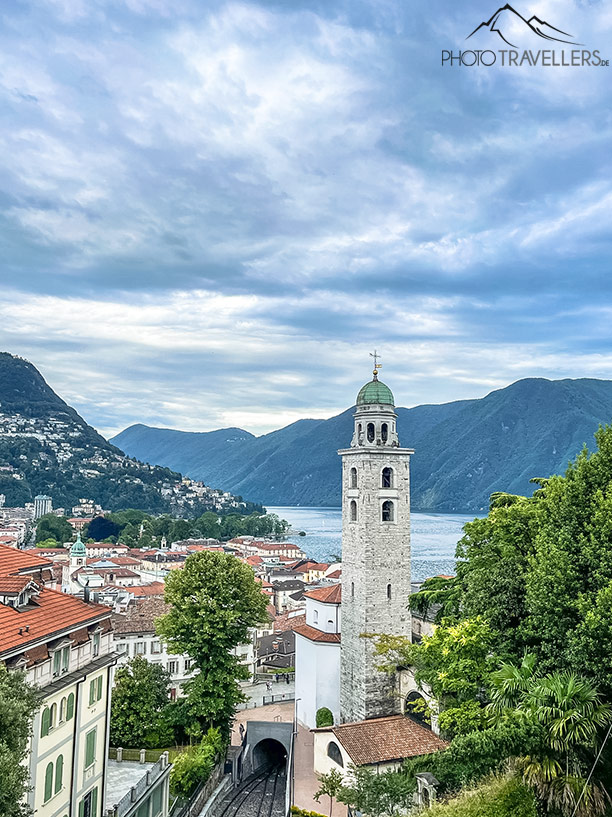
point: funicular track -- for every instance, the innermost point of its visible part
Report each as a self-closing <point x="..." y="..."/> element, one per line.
<point x="260" y="795"/>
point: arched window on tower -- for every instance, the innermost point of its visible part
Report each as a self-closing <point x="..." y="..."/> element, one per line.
<point x="384" y="432"/>
<point x="371" y="432"/>
<point x="388" y="591"/>
<point x="353" y="477"/>
<point x="353" y="511"/>
<point x="352" y="590"/>
<point x="387" y="478"/>
<point x="387" y="511"/>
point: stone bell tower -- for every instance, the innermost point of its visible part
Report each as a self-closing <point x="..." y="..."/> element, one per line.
<point x="375" y="551"/>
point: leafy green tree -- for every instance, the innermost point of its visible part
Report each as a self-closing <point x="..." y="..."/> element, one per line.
<point x="138" y="701"/>
<point x="18" y="703"/>
<point x="214" y="600"/>
<point x="375" y="793"/>
<point x="50" y="526"/>
<point x="102" y="528"/>
<point x="49" y="543"/>
<point x="453" y="665"/>
<point x="330" y="785"/>
<point x="324" y="717"/>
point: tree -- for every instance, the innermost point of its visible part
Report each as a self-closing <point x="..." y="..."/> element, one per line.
<point x="102" y="528"/>
<point x="376" y="793"/>
<point x="139" y="698"/>
<point x="453" y="665"/>
<point x="330" y="784"/>
<point x="214" y="600"/>
<point x="50" y="526"/>
<point x="324" y="717"/>
<point x="18" y="703"/>
<point x="194" y="766"/>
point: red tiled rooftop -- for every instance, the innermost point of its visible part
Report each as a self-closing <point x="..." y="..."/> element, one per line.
<point x="312" y="634"/>
<point x="381" y="740"/>
<point x="336" y="574"/>
<point x="53" y="613"/>
<point x="328" y="595"/>
<point x="13" y="561"/>
<point x="153" y="589"/>
<point x="13" y="585"/>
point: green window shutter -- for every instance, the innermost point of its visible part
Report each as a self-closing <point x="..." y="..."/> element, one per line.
<point x="44" y="722"/>
<point x="90" y="748"/>
<point x="65" y="659"/>
<point x="94" y="803"/>
<point x="59" y="773"/>
<point x="99" y="689"/>
<point x="70" y="706"/>
<point x="57" y="657"/>
<point x="48" y="781"/>
<point x="82" y="808"/>
<point x="92" y="692"/>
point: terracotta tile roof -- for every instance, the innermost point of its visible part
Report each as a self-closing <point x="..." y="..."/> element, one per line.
<point x="54" y="612"/>
<point x="140" y="617"/>
<point x="13" y="585"/>
<point x="312" y="634"/>
<point x="13" y="561"/>
<point x="36" y="655"/>
<point x="154" y="589"/>
<point x="336" y="574"/>
<point x="284" y="621"/>
<point x="384" y="739"/>
<point x="328" y="595"/>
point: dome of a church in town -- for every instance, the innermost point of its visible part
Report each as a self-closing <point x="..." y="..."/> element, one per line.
<point x="375" y="392"/>
<point x="78" y="549"/>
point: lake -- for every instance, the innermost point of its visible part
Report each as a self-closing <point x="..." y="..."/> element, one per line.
<point x="433" y="536"/>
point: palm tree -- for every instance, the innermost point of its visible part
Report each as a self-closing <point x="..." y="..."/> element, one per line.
<point x="509" y="685"/>
<point x="571" y="713"/>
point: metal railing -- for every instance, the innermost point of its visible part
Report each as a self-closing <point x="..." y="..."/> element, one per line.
<point x="129" y="800"/>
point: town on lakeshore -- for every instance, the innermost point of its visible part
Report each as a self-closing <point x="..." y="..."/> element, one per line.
<point x="155" y="668"/>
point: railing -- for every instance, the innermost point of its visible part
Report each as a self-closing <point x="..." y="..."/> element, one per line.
<point x="129" y="800"/>
<point x="275" y="699"/>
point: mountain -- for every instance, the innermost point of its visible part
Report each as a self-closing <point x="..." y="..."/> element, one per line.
<point x="516" y="31"/>
<point x="464" y="450"/>
<point x="47" y="448"/>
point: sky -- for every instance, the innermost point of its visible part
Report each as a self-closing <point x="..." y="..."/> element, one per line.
<point x="212" y="212"/>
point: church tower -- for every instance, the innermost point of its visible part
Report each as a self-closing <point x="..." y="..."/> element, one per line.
<point x="375" y="551"/>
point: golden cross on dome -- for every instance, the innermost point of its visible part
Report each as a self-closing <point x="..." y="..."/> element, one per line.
<point x="377" y="364"/>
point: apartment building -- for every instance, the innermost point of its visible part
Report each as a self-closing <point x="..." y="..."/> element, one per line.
<point x="64" y="645"/>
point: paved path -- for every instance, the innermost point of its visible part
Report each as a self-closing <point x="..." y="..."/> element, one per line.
<point x="256" y="692"/>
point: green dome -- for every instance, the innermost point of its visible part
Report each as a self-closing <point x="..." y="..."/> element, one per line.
<point x="375" y="392"/>
<point x="78" y="549"/>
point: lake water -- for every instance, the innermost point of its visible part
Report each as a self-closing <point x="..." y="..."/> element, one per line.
<point x="433" y="536"/>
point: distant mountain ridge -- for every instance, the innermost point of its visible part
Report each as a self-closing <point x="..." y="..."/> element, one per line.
<point x="46" y="447"/>
<point x="464" y="450"/>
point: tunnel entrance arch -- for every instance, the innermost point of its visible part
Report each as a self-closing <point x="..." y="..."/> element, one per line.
<point x="269" y="752"/>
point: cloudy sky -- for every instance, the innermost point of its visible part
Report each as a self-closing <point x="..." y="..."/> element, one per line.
<point x="211" y="212"/>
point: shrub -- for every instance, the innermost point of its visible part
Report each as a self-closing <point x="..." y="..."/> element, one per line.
<point x="324" y="717"/>
<point x="496" y="797"/>
<point x="195" y="765"/>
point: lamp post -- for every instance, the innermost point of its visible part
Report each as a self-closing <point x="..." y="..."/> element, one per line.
<point x="293" y="737"/>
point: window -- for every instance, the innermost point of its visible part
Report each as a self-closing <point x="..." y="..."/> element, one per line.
<point x="353" y="477"/>
<point x="65" y="659"/>
<point x="188" y="665"/>
<point x="334" y="753"/>
<point x="90" y="748"/>
<point x="88" y="807"/>
<point x="387" y="478"/>
<point x="353" y="511"/>
<point x="172" y="667"/>
<point x="388" y="591"/>
<point x="70" y="706"/>
<point x="384" y="432"/>
<point x="156" y="802"/>
<point x="95" y="690"/>
<point x="330" y="625"/>
<point x="57" y="663"/>
<point x="370" y="432"/>
<point x="53" y="716"/>
<point x="62" y="714"/>
<point x="140" y="648"/>
<point x="387" y="511"/>
<point x="59" y="773"/>
<point x="315" y="616"/>
<point x="156" y="647"/>
<point x="45" y="722"/>
<point x="48" y="782"/>
<point x="352" y="590"/>
<point x="95" y="644"/>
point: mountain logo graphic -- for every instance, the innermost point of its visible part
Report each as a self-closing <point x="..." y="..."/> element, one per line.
<point x="508" y="24"/>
